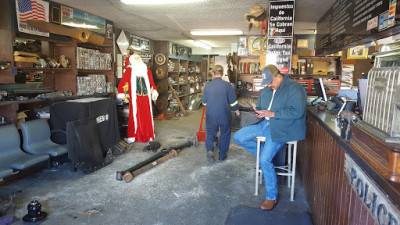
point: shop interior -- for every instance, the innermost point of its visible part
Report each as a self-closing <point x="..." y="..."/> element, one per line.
<point x="67" y="155"/>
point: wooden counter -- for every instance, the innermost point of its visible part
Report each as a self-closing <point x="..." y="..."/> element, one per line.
<point x="335" y="195"/>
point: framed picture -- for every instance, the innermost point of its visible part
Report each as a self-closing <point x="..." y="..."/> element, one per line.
<point x="55" y="14"/>
<point x="302" y="43"/>
<point x="358" y="52"/>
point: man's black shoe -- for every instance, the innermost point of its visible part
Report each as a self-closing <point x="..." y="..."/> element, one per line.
<point x="222" y="159"/>
<point x="210" y="156"/>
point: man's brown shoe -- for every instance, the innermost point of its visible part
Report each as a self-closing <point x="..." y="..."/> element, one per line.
<point x="268" y="204"/>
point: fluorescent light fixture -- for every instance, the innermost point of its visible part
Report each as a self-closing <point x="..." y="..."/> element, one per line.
<point x="216" y="32"/>
<point x="158" y="2"/>
<point x="81" y="25"/>
<point x="201" y="44"/>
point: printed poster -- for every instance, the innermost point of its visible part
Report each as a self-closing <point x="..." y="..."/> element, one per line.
<point x="31" y="10"/>
<point x="251" y="45"/>
<point x="75" y="18"/>
<point x="256" y="45"/>
<point x="243" y="50"/>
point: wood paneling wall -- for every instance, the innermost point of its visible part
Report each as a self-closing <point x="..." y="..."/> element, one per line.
<point x="331" y="199"/>
<point x="7" y="38"/>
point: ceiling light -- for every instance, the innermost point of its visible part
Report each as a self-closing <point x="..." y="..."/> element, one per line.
<point x="201" y="44"/>
<point x="216" y="32"/>
<point x="158" y="2"/>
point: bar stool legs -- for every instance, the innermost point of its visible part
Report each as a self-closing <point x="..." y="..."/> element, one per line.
<point x="258" y="169"/>
<point x="290" y="168"/>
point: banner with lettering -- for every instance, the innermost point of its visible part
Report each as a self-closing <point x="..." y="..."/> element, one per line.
<point x="31" y="10"/>
<point x="281" y="19"/>
<point x="279" y="53"/>
<point x="349" y="21"/>
<point x="280" y="34"/>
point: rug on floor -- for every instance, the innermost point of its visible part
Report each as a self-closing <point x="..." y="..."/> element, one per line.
<point x="244" y="215"/>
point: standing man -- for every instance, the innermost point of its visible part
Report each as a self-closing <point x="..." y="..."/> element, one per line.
<point x="283" y="105"/>
<point x="219" y="96"/>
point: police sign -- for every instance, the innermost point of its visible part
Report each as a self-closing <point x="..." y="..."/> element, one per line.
<point x="381" y="208"/>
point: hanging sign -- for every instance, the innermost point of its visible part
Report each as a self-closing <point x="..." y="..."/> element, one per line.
<point x="32" y="10"/>
<point x="281" y="19"/>
<point x="109" y="30"/>
<point x="280" y="35"/>
<point x="140" y="44"/>
<point x="279" y="53"/>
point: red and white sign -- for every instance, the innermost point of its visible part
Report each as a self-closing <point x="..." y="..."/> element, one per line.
<point x="372" y="23"/>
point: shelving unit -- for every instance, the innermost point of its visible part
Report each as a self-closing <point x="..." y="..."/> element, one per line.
<point x="249" y="68"/>
<point x="195" y="78"/>
<point x="246" y="75"/>
<point x="184" y="75"/>
<point x="328" y="68"/>
<point x="329" y="65"/>
<point x="64" y="79"/>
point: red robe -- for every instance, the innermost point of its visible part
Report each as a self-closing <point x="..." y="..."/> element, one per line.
<point x="140" y="125"/>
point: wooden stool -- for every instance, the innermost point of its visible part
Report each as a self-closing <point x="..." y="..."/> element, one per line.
<point x="290" y="167"/>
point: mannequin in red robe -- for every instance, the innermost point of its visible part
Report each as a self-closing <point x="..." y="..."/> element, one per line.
<point x="142" y="90"/>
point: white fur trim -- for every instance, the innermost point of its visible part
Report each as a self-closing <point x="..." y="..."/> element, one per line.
<point x="133" y="95"/>
<point x="120" y="95"/>
<point x="154" y="95"/>
<point x="129" y="140"/>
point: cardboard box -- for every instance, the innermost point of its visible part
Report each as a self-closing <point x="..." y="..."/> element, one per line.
<point x="31" y="59"/>
<point x="24" y="64"/>
<point x="321" y="67"/>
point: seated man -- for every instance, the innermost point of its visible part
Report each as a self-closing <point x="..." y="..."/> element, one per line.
<point x="350" y="94"/>
<point x="282" y="103"/>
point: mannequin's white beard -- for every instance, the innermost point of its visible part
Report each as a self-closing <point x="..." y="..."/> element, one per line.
<point x="138" y="68"/>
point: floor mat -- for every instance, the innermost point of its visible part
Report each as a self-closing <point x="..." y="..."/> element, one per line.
<point x="244" y="215"/>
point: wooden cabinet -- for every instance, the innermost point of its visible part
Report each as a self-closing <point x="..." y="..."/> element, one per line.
<point x="6" y="40"/>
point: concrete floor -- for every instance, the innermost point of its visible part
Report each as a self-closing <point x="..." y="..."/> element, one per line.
<point x="183" y="190"/>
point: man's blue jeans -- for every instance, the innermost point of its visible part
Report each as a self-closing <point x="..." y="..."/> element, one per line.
<point x="212" y="127"/>
<point x="245" y="137"/>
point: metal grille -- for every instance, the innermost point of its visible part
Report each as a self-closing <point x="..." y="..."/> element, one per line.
<point x="383" y="92"/>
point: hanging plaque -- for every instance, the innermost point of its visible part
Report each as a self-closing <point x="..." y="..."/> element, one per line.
<point x="279" y="53"/>
<point x="281" y="19"/>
